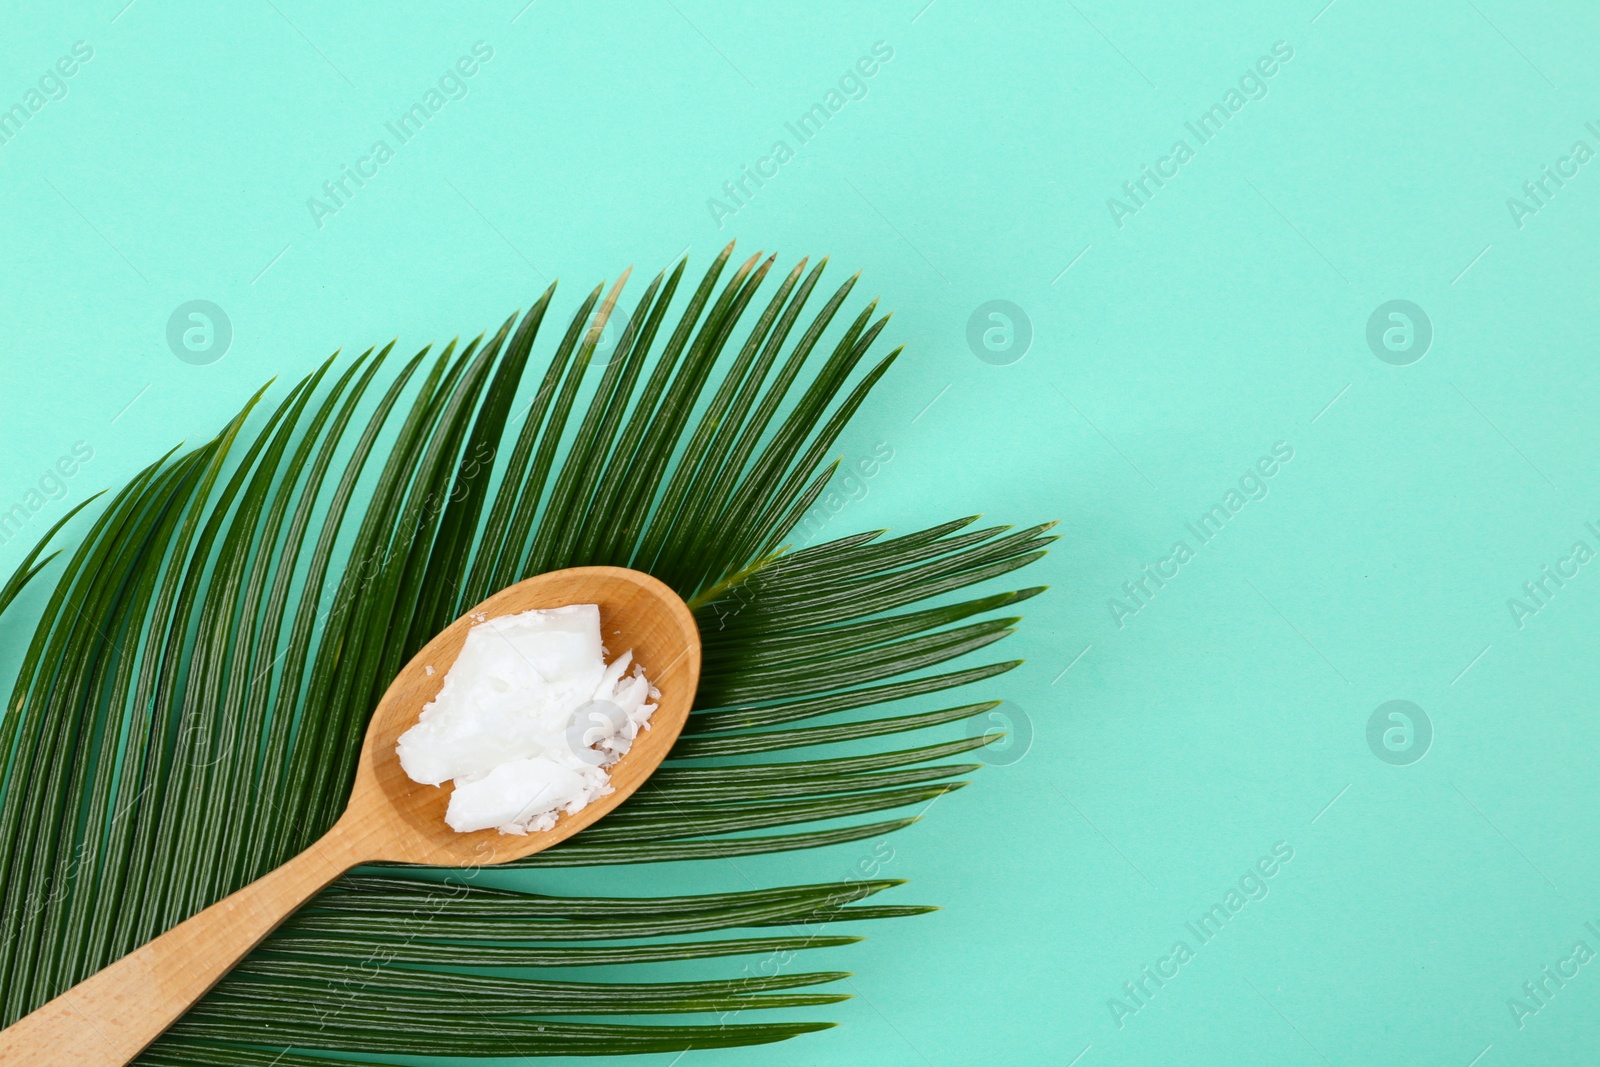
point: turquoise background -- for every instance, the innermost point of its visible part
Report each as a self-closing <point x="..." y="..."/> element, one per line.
<point x="1229" y="313"/>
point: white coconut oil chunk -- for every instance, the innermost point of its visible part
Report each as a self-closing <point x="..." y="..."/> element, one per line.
<point x="528" y="720"/>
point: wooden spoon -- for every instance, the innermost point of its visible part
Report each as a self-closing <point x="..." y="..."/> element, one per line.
<point x="109" y="1018"/>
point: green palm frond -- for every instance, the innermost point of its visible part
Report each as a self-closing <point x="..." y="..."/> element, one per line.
<point x="189" y="711"/>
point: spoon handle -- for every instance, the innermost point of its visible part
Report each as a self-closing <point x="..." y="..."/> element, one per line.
<point x="109" y="1018"/>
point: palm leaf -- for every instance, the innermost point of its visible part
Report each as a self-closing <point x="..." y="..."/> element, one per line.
<point x="189" y="710"/>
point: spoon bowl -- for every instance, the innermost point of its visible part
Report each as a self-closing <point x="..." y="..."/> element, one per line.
<point x="109" y="1018"/>
<point x="406" y="820"/>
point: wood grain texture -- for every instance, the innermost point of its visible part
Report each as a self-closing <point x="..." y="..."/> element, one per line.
<point x="109" y="1018"/>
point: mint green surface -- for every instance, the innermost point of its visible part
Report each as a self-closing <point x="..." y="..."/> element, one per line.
<point x="1171" y="748"/>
